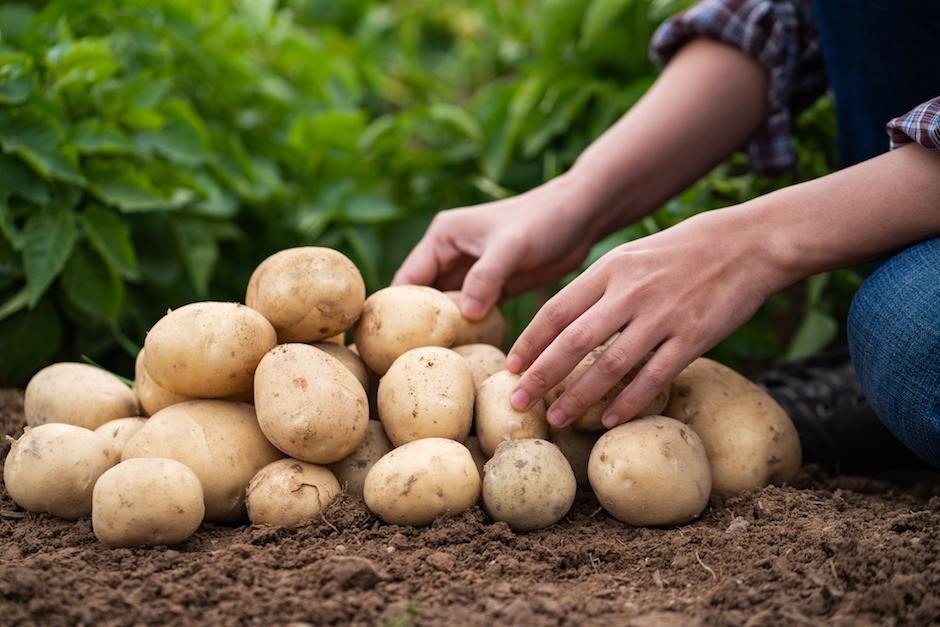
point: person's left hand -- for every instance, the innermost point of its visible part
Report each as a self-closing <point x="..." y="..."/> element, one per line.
<point x="678" y="293"/>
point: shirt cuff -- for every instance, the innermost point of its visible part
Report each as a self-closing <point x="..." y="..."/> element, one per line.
<point x="920" y="125"/>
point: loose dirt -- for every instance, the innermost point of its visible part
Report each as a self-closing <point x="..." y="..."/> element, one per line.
<point x="834" y="550"/>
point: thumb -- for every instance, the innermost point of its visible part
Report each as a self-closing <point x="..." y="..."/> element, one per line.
<point x="485" y="279"/>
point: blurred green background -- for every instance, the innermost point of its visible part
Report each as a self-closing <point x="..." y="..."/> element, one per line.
<point x="154" y="151"/>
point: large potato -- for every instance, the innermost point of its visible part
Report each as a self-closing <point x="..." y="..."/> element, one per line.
<point x="590" y="420"/>
<point x="77" y="394"/>
<point x="749" y="439"/>
<point x="288" y="492"/>
<point x="150" y="394"/>
<point x="53" y="468"/>
<point x="147" y="502"/>
<point x="118" y="432"/>
<point x="309" y="405"/>
<point x="498" y="421"/>
<point x="309" y="294"/>
<point x="651" y="471"/>
<point x="428" y="392"/>
<point x="219" y="440"/>
<point x="576" y="446"/>
<point x="528" y="484"/>
<point x="208" y="350"/>
<point x="422" y="480"/>
<point x="350" y="360"/>
<point x="396" y="319"/>
<point x="490" y="330"/>
<point x="484" y="360"/>
<point x="351" y="471"/>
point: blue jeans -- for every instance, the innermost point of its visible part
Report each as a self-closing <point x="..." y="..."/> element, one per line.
<point x="894" y="340"/>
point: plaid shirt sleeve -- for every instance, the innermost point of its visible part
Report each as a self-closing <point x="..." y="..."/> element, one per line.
<point x="781" y="35"/>
<point x="919" y="125"/>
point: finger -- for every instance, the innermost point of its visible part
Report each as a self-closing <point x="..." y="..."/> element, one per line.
<point x="455" y="275"/>
<point x="666" y="363"/>
<point x="485" y="279"/>
<point x="428" y="259"/>
<point x="565" y="351"/>
<point x="544" y="275"/>
<point x="612" y="365"/>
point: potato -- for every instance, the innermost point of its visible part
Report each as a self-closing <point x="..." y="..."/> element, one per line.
<point x="576" y="446"/>
<point x="339" y="338"/>
<point x="309" y="405"/>
<point x="422" y="480"/>
<point x="53" y="468"/>
<point x="484" y="360"/>
<point x="147" y="502"/>
<point x="219" y="440"/>
<point x="490" y="330"/>
<point x="396" y="319"/>
<point x="497" y="421"/>
<point x="749" y="439"/>
<point x="473" y="445"/>
<point x="309" y="293"/>
<point x="117" y="432"/>
<point x="428" y="392"/>
<point x="288" y="492"/>
<point x="651" y="471"/>
<point x="150" y="394"/>
<point x="77" y="394"/>
<point x="350" y="360"/>
<point x="208" y="350"/>
<point x="351" y="471"/>
<point x="590" y="420"/>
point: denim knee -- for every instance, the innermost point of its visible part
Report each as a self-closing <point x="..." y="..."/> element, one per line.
<point x="894" y="339"/>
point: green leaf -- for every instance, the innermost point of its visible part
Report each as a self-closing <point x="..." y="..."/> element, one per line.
<point x="36" y="138"/>
<point x="556" y="23"/>
<point x="17" y="179"/>
<point x="327" y="130"/>
<point x="199" y="250"/>
<point x="15" y="303"/>
<point x="817" y="330"/>
<point x="459" y="119"/>
<point x="500" y="150"/>
<point x="111" y="237"/>
<point x="365" y="246"/>
<point x="48" y="239"/>
<point x="82" y="61"/>
<point x="559" y="120"/>
<point x="16" y="78"/>
<point x="121" y="185"/>
<point x="599" y="18"/>
<point x="92" y="285"/>
<point x="96" y="137"/>
<point x="369" y="208"/>
<point x="28" y="341"/>
<point x="182" y="139"/>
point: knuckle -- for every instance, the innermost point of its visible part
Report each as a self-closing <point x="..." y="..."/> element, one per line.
<point x="578" y="339"/>
<point x="574" y="401"/>
<point x="613" y="362"/>
<point x="655" y="377"/>
<point x="554" y="313"/>
<point x="538" y="379"/>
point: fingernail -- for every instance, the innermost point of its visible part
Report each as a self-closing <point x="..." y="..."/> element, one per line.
<point x="611" y="420"/>
<point x="514" y="363"/>
<point x="519" y="399"/>
<point x="471" y="307"/>
<point x="557" y="417"/>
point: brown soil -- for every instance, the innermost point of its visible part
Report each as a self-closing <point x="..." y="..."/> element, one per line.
<point x="834" y="550"/>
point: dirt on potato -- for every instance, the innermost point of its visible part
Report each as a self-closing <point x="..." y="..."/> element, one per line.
<point x="827" y="550"/>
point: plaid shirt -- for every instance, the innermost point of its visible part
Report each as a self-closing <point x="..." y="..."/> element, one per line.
<point x="781" y="35"/>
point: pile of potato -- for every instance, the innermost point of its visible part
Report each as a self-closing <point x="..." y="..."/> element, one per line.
<point x="260" y="411"/>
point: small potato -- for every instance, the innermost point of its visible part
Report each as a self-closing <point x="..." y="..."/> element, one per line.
<point x="147" y="502"/>
<point x="651" y="471"/>
<point x="219" y="440"/>
<point x="77" y="394"/>
<point x="208" y="350"/>
<point x="497" y="421"/>
<point x="422" y="480"/>
<point x="590" y="420"/>
<point x="576" y="446"/>
<point x="490" y="330"/>
<point x="309" y="405"/>
<point x="288" y="492"/>
<point x="53" y="468"/>
<point x="118" y="432"/>
<point x="484" y="360"/>
<point x="528" y="484"/>
<point x="427" y="393"/>
<point x="150" y="394"/>
<point x="396" y="319"/>
<point x="473" y="445"/>
<point x="351" y="471"/>
<point x="350" y="360"/>
<point x="309" y="293"/>
<point x="749" y="439"/>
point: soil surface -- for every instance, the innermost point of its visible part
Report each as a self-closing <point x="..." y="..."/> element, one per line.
<point x="833" y="550"/>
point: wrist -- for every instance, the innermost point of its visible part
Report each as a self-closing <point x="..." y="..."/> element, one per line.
<point x="595" y="199"/>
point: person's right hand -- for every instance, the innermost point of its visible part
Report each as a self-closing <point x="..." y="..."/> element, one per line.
<point x="505" y="247"/>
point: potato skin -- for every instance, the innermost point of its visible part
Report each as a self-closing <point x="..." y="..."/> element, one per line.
<point x="651" y="471"/>
<point x="497" y="420"/>
<point x="208" y="349"/>
<point x="53" y="468"/>
<point x="219" y="440"/>
<point x="308" y="293"/>
<point x="309" y="405"/>
<point x="576" y="446"/>
<point x="528" y="484"/>
<point x="288" y="492"/>
<point x="590" y="420"/>
<point x="422" y="480"/>
<point x="77" y="394"/>
<point x="147" y="502"/>
<point x="151" y="396"/>
<point x="428" y="392"/>
<point x="396" y="319"/>
<point x="479" y="458"/>
<point x="117" y="432"/>
<point x="351" y="471"/>
<point x="490" y="330"/>
<point x="484" y="360"/>
<point x="749" y="439"/>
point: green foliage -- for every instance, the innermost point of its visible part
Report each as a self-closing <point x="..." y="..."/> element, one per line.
<point x="154" y="151"/>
